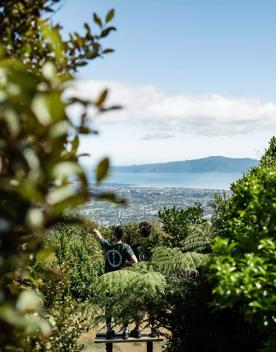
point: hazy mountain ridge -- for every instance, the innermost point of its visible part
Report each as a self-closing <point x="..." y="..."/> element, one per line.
<point x="209" y="164"/>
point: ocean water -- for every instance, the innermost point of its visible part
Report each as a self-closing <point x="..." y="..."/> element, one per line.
<point x="208" y="180"/>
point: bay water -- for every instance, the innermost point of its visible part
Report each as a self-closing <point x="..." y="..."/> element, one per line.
<point x="206" y="180"/>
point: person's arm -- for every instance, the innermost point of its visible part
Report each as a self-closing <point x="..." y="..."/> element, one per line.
<point x="132" y="257"/>
<point x="97" y="235"/>
<point x="132" y="260"/>
<point x="103" y="242"/>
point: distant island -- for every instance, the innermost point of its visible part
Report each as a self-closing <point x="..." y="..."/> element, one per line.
<point x="209" y="164"/>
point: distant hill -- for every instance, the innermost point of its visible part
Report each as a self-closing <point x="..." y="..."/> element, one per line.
<point x="209" y="164"/>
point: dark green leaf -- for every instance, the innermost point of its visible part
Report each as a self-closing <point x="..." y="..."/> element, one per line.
<point x="97" y="20"/>
<point x="110" y="15"/>
<point x="102" y="170"/>
<point x="111" y="197"/>
<point x="106" y="31"/>
<point x="82" y="63"/>
<point x="108" y="51"/>
<point x="87" y="27"/>
<point x="102" y="98"/>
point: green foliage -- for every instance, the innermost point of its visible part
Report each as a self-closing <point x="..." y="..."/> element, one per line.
<point x="118" y="282"/>
<point x="268" y="159"/>
<point x="146" y="285"/>
<point x="67" y="270"/>
<point x="68" y="316"/>
<point x="175" y="289"/>
<point x="172" y="261"/>
<point x="156" y="285"/>
<point x="25" y="37"/>
<point x="76" y="248"/>
<point x="244" y="254"/>
<point x="40" y="174"/>
<point x="32" y="191"/>
<point x="176" y="222"/>
<point x="185" y="309"/>
<point x="195" y="326"/>
<point x="199" y="238"/>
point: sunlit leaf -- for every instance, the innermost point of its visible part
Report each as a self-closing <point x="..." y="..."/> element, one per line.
<point x="60" y="194"/>
<point x="35" y="218"/>
<point x="46" y="255"/>
<point x="48" y="107"/>
<point x="66" y="168"/>
<point x="53" y="36"/>
<point x="41" y="109"/>
<point x="29" y="302"/>
<point x="12" y="121"/>
<point x="49" y="71"/>
<point x="59" y="129"/>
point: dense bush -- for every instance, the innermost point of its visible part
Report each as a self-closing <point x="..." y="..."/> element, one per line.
<point x="76" y="248"/>
<point x="177" y="221"/>
<point x="186" y="308"/>
<point x="68" y="275"/>
<point x="68" y="316"/>
<point x="245" y="251"/>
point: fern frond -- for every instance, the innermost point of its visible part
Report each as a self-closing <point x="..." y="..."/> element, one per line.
<point x="116" y="282"/>
<point x="173" y="260"/>
<point x="199" y="238"/>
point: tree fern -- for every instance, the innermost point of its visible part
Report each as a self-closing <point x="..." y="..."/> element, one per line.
<point x="198" y="239"/>
<point x="149" y="282"/>
<point x="172" y="260"/>
<point x="128" y="291"/>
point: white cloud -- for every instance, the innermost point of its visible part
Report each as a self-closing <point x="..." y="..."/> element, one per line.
<point x="157" y="135"/>
<point x="167" y="115"/>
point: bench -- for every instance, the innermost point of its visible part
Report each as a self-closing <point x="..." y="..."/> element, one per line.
<point x="117" y="338"/>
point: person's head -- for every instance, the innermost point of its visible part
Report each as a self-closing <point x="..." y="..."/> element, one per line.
<point x="145" y="229"/>
<point x="119" y="233"/>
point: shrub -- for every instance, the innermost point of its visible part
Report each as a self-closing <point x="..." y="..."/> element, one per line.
<point x="177" y="221"/>
<point x="69" y="317"/>
<point x="244" y="252"/>
<point x="67" y="273"/>
<point x="76" y="248"/>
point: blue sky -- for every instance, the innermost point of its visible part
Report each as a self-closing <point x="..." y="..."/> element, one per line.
<point x="218" y="54"/>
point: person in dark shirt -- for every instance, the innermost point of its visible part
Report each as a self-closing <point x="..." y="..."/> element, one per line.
<point x="117" y="255"/>
<point x="143" y="253"/>
<point x="140" y="249"/>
